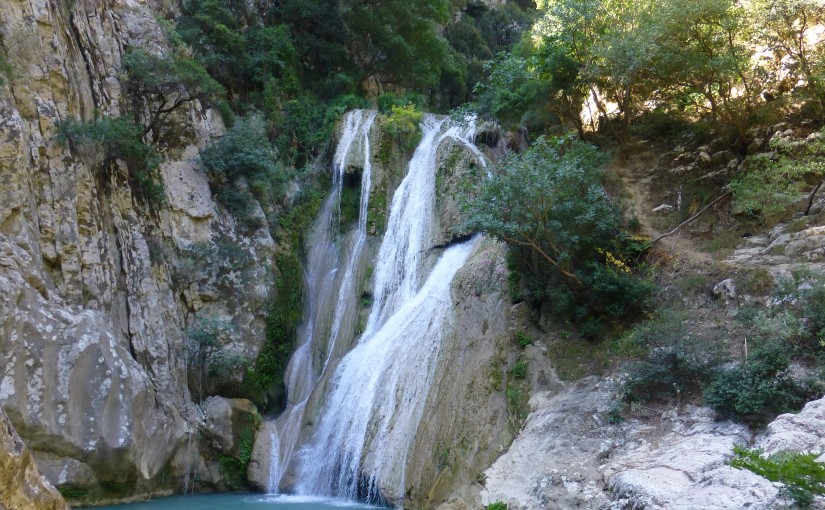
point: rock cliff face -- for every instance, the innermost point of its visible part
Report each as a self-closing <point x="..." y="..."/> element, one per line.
<point x="21" y="485"/>
<point x="97" y="287"/>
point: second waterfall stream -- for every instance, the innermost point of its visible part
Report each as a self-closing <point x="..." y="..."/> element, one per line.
<point x="374" y="396"/>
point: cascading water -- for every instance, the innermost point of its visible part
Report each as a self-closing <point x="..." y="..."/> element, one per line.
<point x="321" y="279"/>
<point x="377" y="395"/>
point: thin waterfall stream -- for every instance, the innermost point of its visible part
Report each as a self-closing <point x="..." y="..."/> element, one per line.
<point x="374" y="399"/>
<point x="321" y="274"/>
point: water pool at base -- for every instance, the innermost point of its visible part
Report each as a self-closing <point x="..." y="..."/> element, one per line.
<point x="240" y="502"/>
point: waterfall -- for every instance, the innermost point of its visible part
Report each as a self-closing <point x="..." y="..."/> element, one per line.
<point x="377" y="394"/>
<point x="375" y="397"/>
<point x="322" y="277"/>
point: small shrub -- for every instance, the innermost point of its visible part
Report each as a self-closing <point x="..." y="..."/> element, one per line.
<point x="758" y="281"/>
<point x="107" y="139"/>
<point x="677" y="361"/>
<point x="402" y="125"/>
<point x="208" y="361"/>
<point x="6" y="69"/>
<point x="758" y="389"/>
<point x="614" y="415"/>
<point x="800" y="474"/>
<point x="72" y="492"/>
<point x="517" y="404"/>
<point x="245" y="151"/>
<point x="386" y="102"/>
<point x="498" y="505"/>
<point x="522" y="339"/>
<point x="773" y="181"/>
<point x="519" y="370"/>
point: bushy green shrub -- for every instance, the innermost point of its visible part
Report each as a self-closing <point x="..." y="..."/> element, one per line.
<point x="801" y="476"/>
<point x="773" y="181"/>
<point x="403" y="125"/>
<point x="519" y="370"/>
<point x="676" y="362"/>
<point x="498" y="505"/>
<point x="796" y="317"/>
<point x="245" y="151"/>
<point x="108" y="139"/>
<point x="522" y="339"/>
<point x="549" y="206"/>
<point x="758" y="389"/>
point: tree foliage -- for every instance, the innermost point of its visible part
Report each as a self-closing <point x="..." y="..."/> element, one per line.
<point x="163" y="84"/>
<point x="617" y="60"/>
<point x="801" y="476"/>
<point x="759" y="389"/>
<point x="549" y="206"/>
<point x="108" y="139"/>
<point x="549" y="200"/>
<point x="773" y="181"/>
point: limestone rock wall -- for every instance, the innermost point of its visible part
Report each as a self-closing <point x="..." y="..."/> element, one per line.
<point x="96" y="287"/>
<point x="466" y="423"/>
<point x="21" y="484"/>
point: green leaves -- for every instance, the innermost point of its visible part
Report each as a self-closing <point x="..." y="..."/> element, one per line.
<point x="549" y="199"/>
<point x="773" y="181"/>
<point x="800" y="474"/>
<point x="549" y="206"/>
<point x="758" y="389"/>
<point x="107" y="139"/>
<point x="163" y="84"/>
<point x="244" y="151"/>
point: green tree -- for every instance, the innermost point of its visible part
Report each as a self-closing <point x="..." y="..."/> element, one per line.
<point x="549" y="200"/>
<point x="161" y="85"/>
<point x="207" y="359"/>
<point x="801" y="476"/>
<point x="785" y="26"/>
<point x="398" y="39"/>
<point x="607" y="43"/>
<point x="214" y="29"/>
<point x="549" y="206"/>
<point x="703" y="61"/>
<point x="108" y="139"/>
<point x="320" y="38"/>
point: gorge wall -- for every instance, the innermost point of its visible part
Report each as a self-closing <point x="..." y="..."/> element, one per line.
<point x="97" y="286"/>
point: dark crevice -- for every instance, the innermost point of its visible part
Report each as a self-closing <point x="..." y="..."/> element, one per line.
<point x="87" y="59"/>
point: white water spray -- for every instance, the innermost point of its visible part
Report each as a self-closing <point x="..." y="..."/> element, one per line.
<point x="321" y="279"/>
<point x="377" y="395"/>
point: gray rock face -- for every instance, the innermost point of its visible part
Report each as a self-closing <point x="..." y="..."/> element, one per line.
<point x="801" y="432"/>
<point x="225" y="420"/>
<point x="21" y="485"/>
<point x="96" y="289"/>
<point x="567" y="455"/>
<point x="466" y="423"/>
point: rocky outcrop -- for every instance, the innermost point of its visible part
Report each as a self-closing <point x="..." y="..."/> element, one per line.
<point x="21" y="485"/>
<point x="96" y="286"/>
<point x="568" y="455"/>
<point x="468" y="422"/>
